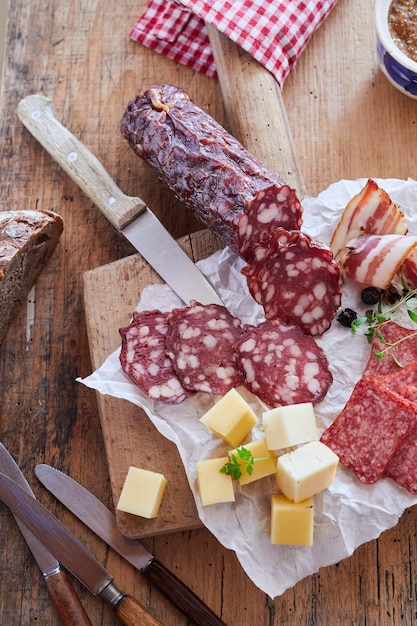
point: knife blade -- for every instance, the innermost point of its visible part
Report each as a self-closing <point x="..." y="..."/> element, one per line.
<point x="72" y="554"/>
<point x="129" y="215"/>
<point x="101" y="520"/>
<point x="67" y="604"/>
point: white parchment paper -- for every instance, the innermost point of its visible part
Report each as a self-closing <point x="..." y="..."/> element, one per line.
<point x="348" y="513"/>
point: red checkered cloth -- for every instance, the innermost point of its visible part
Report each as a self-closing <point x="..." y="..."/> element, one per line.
<point x="274" y="32"/>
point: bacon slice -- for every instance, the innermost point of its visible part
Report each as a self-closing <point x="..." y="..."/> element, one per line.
<point x="376" y="259"/>
<point x="372" y="212"/>
<point x="409" y="269"/>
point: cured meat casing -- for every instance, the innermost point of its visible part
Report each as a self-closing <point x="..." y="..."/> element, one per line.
<point x="144" y="360"/>
<point x="237" y="196"/>
<point x="296" y="280"/>
<point x="200" y="342"/>
<point x="282" y="365"/>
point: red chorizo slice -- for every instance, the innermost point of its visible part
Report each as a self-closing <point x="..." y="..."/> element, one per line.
<point x="200" y="342"/>
<point x="400" y="355"/>
<point x="228" y="189"/>
<point x="402" y="381"/>
<point x="368" y="432"/>
<point x="281" y="365"/>
<point x="296" y="280"/>
<point x="143" y="357"/>
<point x="403" y="466"/>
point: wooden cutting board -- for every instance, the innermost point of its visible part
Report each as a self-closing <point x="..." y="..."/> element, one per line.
<point x="111" y="294"/>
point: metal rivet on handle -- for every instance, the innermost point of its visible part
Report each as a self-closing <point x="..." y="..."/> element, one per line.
<point x="73" y="156"/>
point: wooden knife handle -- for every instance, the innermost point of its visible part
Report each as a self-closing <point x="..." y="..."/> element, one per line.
<point x="180" y="595"/>
<point x="130" y="612"/>
<point x="67" y="604"/>
<point x="37" y="114"/>
<point x="255" y="109"/>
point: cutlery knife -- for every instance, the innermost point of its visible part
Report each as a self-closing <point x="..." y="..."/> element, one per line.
<point x="67" y="604"/>
<point x="101" y="520"/>
<point x="129" y="215"/>
<point x="72" y="554"/>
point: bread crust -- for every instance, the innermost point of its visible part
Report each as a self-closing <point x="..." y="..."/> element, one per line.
<point x="27" y="241"/>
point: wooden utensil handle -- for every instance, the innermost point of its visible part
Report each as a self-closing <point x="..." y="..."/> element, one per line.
<point x="130" y="612"/>
<point x="36" y="113"/>
<point x="180" y="595"/>
<point x="255" y="109"/>
<point x="67" y="604"/>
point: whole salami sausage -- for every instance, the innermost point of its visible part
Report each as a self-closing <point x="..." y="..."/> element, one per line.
<point x="200" y="342"/>
<point x="231" y="191"/>
<point x="143" y="357"/>
<point x="296" y="280"/>
<point x="282" y="365"/>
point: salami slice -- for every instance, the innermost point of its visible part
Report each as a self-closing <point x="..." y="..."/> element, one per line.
<point x="281" y="365"/>
<point x="296" y="280"/>
<point x="230" y="191"/>
<point x="200" y="342"/>
<point x="368" y="432"/>
<point x="403" y="466"/>
<point x="402" y="381"/>
<point x="143" y="357"/>
<point x="402" y="354"/>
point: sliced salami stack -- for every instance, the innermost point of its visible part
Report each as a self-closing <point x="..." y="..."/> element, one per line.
<point x="376" y="433"/>
<point x="371" y="427"/>
<point x="171" y="356"/>
<point x="296" y="280"/>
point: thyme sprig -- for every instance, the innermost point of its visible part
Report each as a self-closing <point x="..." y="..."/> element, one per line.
<point x="375" y="319"/>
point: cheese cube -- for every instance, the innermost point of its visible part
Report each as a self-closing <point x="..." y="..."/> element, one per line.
<point x="306" y="471"/>
<point x="292" y="523"/>
<point x="213" y="486"/>
<point x="266" y="466"/>
<point x="231" y="418"/>
<point x="142" y="492"/>
<point x="287" y="426"/>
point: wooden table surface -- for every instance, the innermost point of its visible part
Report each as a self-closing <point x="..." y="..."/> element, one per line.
<point x="347" y="122"/>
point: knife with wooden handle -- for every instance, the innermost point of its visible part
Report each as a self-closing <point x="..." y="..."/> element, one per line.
<point x="67" y="604"/>
<point x="72" y="554"/>
<point x="129" y="215"/>
<point x="103" y="522"/>
<point x="255" y="109"/>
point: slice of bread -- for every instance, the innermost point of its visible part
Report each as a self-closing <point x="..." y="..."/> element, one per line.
<point x="27" y="240"/>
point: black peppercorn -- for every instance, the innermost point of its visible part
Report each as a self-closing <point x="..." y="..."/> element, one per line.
<point x="371" y="295"/>
<point x="346" y="317"/>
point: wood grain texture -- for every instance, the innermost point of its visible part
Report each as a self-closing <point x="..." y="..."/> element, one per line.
<point x="129" y="436"/>
<point x="347" y="122"/>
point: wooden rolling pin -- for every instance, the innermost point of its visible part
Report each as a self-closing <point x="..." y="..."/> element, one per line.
<point x="255" y="109"/>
